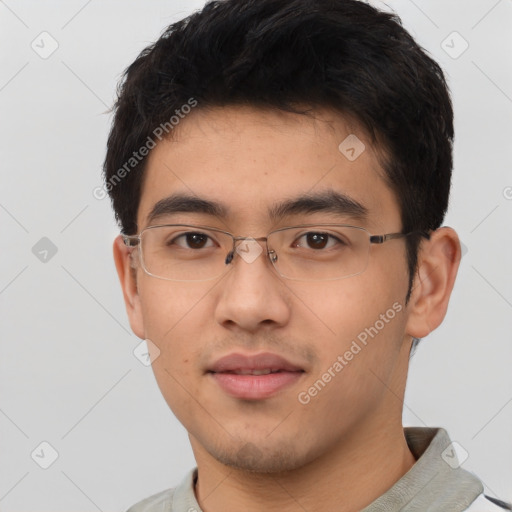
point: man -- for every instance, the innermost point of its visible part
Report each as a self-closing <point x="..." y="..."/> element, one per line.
<point x="280" y="170"/>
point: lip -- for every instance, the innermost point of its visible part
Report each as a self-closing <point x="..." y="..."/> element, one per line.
<point x="254" y="387"/>
<point x="236" y="361"/>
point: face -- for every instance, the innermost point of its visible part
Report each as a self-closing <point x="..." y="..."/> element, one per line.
<point x="337" y="346"/>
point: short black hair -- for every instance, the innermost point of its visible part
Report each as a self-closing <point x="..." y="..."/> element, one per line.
<point x="295" y="56"/>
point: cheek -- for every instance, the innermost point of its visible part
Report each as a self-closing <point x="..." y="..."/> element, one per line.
<point x="340" y="310"/>
<point x="360" y="353"/>
<point x="167" y="306"/>
<point x="176" y="318"/>
<point x="360" y="319"/>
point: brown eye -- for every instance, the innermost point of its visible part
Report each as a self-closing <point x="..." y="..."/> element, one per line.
<point x="317" y="240"/>
<point x="192" y="240"/>
<point x="196" y="240"/>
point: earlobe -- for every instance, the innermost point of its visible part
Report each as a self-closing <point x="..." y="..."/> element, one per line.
<point x="438" y="263"/>
<point x="128" y="281"/>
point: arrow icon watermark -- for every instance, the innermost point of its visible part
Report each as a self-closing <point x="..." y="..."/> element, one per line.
<point x="352" y="147"/>
<point x="44" y="250"/>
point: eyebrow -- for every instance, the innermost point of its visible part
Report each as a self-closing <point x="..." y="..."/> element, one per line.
<point x="328" y="201"/>
<point x="182" y="203"/>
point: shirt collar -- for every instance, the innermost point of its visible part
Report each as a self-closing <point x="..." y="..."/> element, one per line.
<point x="435" y="482"/>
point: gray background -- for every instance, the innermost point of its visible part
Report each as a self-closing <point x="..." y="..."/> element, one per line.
<point x="68" y="375"/>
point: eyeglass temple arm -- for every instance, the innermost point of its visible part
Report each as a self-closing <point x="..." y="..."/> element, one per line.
<point x="380" y="239"/>
<point x="131" y="241"/>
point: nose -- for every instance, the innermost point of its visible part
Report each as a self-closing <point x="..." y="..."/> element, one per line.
<point x="253" y="296"/>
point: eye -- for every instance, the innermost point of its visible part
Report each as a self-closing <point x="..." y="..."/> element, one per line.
<point x="192" y="241"/>
<point x="317" y="241"/>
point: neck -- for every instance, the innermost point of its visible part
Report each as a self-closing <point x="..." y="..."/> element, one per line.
<point x="362" y="467"/>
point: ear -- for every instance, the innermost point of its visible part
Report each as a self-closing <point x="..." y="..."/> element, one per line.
<point x="127" y="273"/>
<point x="438" y="263"/>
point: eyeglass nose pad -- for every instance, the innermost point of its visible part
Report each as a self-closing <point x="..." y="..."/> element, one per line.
<point x="229" y="257"/>
<point x="272" y="255"/>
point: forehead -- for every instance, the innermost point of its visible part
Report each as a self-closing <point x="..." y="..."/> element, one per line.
<point x="251" y="161"/>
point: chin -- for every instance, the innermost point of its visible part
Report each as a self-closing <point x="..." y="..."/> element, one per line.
<point x="254" y="458"/>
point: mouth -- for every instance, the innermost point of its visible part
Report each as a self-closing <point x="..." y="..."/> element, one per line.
<point x="253" y="371"/>
<point x="254" y="377"/>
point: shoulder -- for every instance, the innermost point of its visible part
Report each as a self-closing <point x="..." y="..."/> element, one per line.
<point x="161" y="502"/>
<point x="486" y="504"/>
<point x="177" y="499"/>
